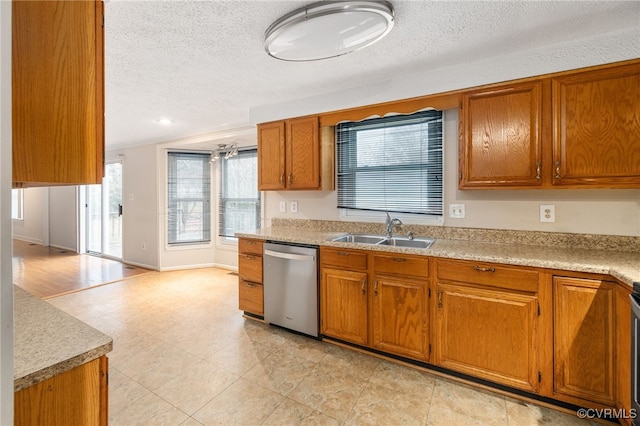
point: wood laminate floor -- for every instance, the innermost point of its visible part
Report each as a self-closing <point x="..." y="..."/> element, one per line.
<point x="48" y="272"/>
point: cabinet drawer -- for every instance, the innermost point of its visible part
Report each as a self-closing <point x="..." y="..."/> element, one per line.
<point x="249" y="246"/>
<point x="488" y="274"/>
<point x="251" y="297"/>
<point x="401" y="265"/>
<point x="250" y="267"/>
<point x="350" y="259"/>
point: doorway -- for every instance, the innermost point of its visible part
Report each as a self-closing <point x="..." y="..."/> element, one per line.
<point x="103" y="214"/>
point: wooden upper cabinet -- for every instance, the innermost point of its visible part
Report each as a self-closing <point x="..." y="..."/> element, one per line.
<point x="597" y="128"/>
<point x="584" y="340"/>
<point x="58" y="92"/>
<point x="271" y="151"/>
<point x="296" y="154"/>
<point x="501" y="136"/>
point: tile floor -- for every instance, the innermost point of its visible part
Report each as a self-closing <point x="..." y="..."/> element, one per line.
<point x="184" y="355"/>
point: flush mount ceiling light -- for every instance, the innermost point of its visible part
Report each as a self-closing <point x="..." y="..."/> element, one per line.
<point x="328" y="29"/>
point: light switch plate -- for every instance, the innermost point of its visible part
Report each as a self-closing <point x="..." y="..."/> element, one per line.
<point x="547" y="213"/>
<point x="283" y="206"/>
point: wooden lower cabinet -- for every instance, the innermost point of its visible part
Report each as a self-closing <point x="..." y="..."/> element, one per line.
<point x="250" y="289"/>
<point x="344" y="309"/>
<point x="584" y="340"/>
<point x="487" y="332"/>
<point x="76" y="397"/>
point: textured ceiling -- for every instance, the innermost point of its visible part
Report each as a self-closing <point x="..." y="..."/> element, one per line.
<point x="202" y="63"/>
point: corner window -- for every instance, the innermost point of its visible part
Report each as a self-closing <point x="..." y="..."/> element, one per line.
<point x="239" y="195"/>
<point x="391" y="164"/>
<point x="189" y="198"/>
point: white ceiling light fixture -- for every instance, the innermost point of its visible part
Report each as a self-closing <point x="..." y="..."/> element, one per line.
<point x="328" y="29"/>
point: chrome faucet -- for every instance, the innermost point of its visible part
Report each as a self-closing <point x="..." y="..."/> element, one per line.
<point x="391" y="222"/>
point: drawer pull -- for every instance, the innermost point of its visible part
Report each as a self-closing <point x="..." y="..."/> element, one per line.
<point x="248" y="257"/>
<point x="250" y="243"/>
<point x="343" y="253"/>
<point x="399" y="259"/>
<point x="481" y="269"/>
<point x="250" y="285"/>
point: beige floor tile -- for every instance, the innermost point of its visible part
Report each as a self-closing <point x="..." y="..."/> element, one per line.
<point x="243" y="403"/>
<point x="333" y="395"/>
<point x="400" y="378"/>
<point x="343" y="361"/>
<point x="191" y="422"/>
<point x="378" y="405"/>
<point x="522" y="413"/>
<point x="292" y="413"/>
<point x="454" y="403"/>
<point x="123" y="391"/>
<point x="281" y="371"/>
<point x="148" y="410"/>
<point x="196" y="385"/>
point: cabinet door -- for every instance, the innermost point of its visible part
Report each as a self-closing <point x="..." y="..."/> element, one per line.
<point x="271" y="152"/>
<point x="596" y="128"/>
<point x="584" y="339"/>
<point x="400" y="315"/>
<point x="344" y="305"/>
<point x="490" y="334"/>
<point x="58" y="92"/>
<point x="501" y="136"/>
<point x="303" y="153"/>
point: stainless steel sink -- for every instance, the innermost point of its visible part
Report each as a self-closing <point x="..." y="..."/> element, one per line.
<point x="406" y="242"/>
<point x="359" y="238"/>
<point x="383" y="241"/>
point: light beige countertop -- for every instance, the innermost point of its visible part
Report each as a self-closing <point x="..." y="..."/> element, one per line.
<point x="48" y="341"/>
<point x="622" y="265"/>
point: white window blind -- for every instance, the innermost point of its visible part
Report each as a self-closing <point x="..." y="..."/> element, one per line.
<point x="239" y="195"/>
<point x="391" y="164"/>
<point x="189" y="198"/>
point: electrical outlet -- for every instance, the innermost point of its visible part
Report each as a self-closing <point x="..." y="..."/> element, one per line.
<point x="283" y="206"/>
<point x="456" y="211"/>
<point x="294" y="206"/>
<point x="547" y="213"/>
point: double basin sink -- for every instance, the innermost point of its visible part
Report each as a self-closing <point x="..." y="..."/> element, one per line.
<point x="381" y="240"/>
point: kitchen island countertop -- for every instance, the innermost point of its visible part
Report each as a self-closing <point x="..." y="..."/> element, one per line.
<point x="622" y="265"/>
<point x="48" y="341"/>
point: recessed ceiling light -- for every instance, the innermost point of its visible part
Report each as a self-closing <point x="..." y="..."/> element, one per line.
<point x="164" y="121"/>
<point x="328" y="29"/>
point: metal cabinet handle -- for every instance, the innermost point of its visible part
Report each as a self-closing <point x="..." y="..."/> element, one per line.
<point x="375" y="287"/>
<point x="343" y="253"/>
<point x="439" y="298"/>
<point x="248" y="257"/>
<point x="481" y="269"/>
<point x="250" y="285"/>
<point x="558" y="170"/>
<point x="290" y="178"/>
<point x="538" y="171"/>
<point x="364" y="286"/>
<point x="399" y="259"/>
<point x="282" y="179"/>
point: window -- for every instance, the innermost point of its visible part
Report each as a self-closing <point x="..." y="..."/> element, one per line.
<point x="189" y="196"/>
<point x="239" y="195"/>
<point x="391" y="164"/>
<point x="17" y="203"/>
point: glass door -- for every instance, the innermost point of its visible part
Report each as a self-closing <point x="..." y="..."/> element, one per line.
<point x="103" y="213"/>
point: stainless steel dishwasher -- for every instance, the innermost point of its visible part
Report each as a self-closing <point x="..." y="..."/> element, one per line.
<point x="291" y="287"/>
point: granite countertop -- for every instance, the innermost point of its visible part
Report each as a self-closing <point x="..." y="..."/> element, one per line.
<point x="48" y="341"/>
<point x="622" y="265"/>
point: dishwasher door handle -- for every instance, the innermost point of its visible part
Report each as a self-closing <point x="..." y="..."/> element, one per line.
<point x="289" y="256"/>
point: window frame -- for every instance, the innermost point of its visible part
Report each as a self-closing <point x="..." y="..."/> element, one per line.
<point x="206" y="198"/>
<point x="223" y="163"/>
<point x="18" y="193"/>
<point x="373" y="214"/>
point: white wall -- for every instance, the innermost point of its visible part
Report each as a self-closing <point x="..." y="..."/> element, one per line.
<point x="63" y="217"/>
<point x="6" y="278"/>
<point x="34" y="227"/>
